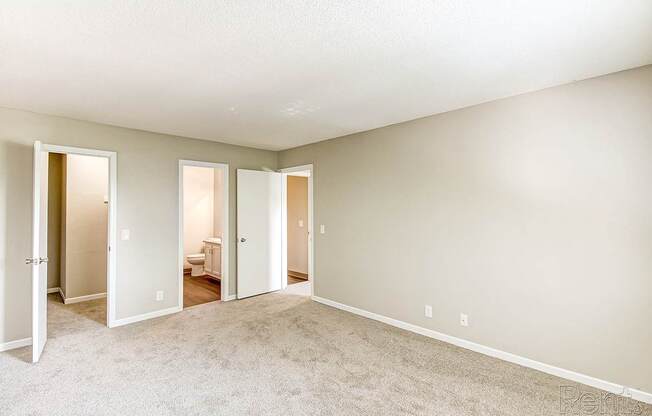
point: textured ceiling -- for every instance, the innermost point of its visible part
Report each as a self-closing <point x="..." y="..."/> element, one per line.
<point x="278" y="74"/>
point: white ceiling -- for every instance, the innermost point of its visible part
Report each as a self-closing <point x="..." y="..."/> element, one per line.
<point x="279" y="74"/>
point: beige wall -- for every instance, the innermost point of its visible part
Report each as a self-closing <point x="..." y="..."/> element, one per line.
<point x="147" y="204"/>
<point x="198" y="215"/>
<point x="531" y="214"/>
<point x="55" y="178"/>
<point x="86" y="237"/>
<point x="297" y="205"/>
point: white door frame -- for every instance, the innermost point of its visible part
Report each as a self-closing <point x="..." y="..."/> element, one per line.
<point x="112" y="247"/>
<point x="226" y="239"/>
<point x="311" y="227"/>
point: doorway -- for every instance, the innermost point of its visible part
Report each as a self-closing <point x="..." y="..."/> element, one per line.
<point x="203" y="232"/>
<point x="262" y="232"/>
<point x="77" y="246"/>
<point x="74" y="229"/>
<point x="298" y="229"/>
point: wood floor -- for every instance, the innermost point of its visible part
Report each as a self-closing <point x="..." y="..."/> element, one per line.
<point x="292" y="280"/>
<point x="200" y="289"/>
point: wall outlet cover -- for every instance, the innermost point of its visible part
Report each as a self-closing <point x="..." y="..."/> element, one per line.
<point x="159" y="295"/>
<point x="464" y="319"/>
<point x="428" y="311"/>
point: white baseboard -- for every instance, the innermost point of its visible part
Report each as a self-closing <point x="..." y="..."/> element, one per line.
<point x="81" y="298"/>
<point x="228" y="298"/>
<point x="54" y="290"/>
<point x="492" y="352"/>
<point x="145" y="316"/>
<point x="6" y="346"/>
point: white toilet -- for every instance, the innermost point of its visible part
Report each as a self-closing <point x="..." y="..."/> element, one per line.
<point x="197" y="263"/>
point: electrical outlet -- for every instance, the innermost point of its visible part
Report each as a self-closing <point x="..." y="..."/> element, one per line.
<point x="428" y="311"/>
<point x="322" y="229"/>
<point x="159" y="295"/>
<point x="301" y="223"/>
<point x="464" y="319"/>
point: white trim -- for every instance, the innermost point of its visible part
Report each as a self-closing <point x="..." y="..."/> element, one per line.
<point x="492" y="352"/>
<point x="112" y="246"/>
<point x="77" y="299"/>
<point x="85" y="298"/>
<point x="228" y="298"/>
<point x="145" y="316"/>
<point x="111" y="293"/>
<point x="54" y="290"/>
<point x="311" y="225"/>
<point x="55" y="148"/>
<point x="226" y="237"/>
<point x="641" y="396"/>
<point x="19" y="343"/>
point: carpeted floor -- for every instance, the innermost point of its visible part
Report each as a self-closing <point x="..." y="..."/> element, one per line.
<point x="276" y="354"/>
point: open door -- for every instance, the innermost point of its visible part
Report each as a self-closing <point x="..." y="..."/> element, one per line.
<point x="39" y="259"/>
<point x="259" y="200"/>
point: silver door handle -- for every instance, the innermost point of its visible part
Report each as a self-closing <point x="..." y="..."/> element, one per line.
<point x="242" y="240"/>
<point x="34" y="260"/>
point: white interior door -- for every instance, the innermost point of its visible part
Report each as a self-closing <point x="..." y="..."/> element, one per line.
<point x="39" y="259"/>
<point x="259" y="200"/>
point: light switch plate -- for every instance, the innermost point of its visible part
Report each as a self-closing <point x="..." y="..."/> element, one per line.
<point x="125" y="234"/>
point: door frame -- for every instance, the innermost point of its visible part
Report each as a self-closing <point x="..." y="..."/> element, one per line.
<point x="226" y="236"/>
<point x="311" y="226"/>
<point x="112" y="246"/>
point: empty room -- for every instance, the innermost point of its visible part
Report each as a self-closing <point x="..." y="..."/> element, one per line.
<point x="326" y="208"/>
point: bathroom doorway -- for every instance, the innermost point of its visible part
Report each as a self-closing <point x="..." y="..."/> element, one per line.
<point x="298" y="230"/>
<point x="203" y="232"/>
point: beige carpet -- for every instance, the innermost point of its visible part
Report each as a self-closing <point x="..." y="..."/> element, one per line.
<point x="277" y="354"/>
